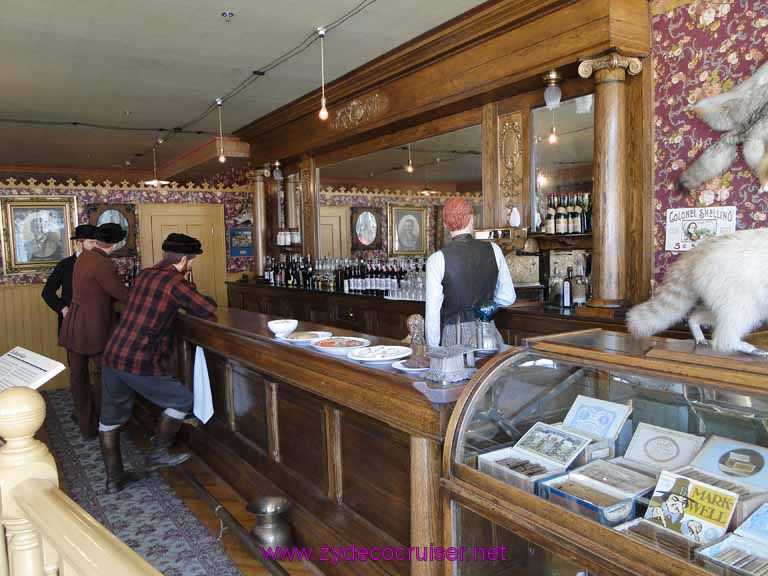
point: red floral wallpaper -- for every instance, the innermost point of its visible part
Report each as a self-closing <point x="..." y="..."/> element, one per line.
<point x="234" y="202"/>
<point x="700" y="49"/>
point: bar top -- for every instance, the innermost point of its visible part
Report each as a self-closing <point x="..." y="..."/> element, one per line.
<point x="382" y="392"/>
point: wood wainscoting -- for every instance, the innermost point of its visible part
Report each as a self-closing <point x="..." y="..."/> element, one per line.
<point x="25" y="320"/>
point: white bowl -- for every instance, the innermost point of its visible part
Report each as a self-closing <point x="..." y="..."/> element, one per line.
<point x="282" y="327"/>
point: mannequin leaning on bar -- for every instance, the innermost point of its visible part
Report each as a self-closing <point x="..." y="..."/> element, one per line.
<point x="137" y="355"/>
<point x="464" y="273"/>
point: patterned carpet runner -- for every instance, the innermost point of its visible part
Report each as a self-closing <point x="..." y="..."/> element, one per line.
<point x="147" y="516"/>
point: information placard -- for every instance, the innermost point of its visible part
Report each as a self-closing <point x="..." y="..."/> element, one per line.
<point x="687" y="226"/>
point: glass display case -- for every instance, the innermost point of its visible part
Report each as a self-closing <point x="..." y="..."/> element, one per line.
<point x="595" y="452"/>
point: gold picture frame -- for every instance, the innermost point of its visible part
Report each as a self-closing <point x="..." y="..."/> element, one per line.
<point x="407" y="226"/>
<point x="36" y="231"/>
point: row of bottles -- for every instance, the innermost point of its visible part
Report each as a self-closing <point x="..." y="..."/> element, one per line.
<point x="568" y="214"/>
<point x="356" y="276"/>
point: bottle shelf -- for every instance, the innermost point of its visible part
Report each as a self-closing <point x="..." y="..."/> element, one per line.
<point x="297" y="248"/>
<point x="562" y="241"/>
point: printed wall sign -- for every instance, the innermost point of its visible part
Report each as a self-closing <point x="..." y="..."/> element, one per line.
<point x="687" y="226"/>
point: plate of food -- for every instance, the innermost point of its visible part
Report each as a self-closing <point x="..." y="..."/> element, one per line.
<point x="306" y="337"/>
<point x="413" y="364"/>
<point x="380" y="354"/>
<point x="339" y="345"/>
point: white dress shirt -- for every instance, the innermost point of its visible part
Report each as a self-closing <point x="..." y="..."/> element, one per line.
<point x="503" y="296"/>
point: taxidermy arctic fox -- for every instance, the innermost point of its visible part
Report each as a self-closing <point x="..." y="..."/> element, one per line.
<point x="724" y="282"/>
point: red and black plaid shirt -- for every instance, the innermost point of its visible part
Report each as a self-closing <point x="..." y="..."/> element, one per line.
<point x="141" y="344"/>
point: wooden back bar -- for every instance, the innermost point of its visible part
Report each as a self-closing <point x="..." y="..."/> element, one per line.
<point x="357" y="449"/>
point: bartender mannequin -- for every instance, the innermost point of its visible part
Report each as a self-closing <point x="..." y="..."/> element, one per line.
<point x="464" y="273"/>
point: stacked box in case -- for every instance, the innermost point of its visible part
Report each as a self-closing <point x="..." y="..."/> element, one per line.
<point x="603" y="422"/>
<point x="654" y="449"/>
<point x="601" y="491"/>
<point x="544" y="448"/>
<point x="745" y="552"/>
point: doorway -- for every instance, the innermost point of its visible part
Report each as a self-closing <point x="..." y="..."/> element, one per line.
<point x="334" y="231"/>
<point x="202" y="221"/>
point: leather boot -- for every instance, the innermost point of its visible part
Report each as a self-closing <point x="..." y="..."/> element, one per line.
<point x="117" y="477"/>
<point x="159" y="455"/>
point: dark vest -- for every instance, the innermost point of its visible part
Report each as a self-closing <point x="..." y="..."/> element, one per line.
<point x="470" y="277"/>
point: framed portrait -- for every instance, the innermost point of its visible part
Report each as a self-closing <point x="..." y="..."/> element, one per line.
<point x="365" y="224"/>
<point x="407" y="230"/>
<point x="241" y="241"/>
<point x="122" y="214"/>
<point x="36" y="231"/>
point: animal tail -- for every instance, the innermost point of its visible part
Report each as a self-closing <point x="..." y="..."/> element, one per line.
<point x="672" y="303"/>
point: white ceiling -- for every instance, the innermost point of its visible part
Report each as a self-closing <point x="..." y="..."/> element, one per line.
<point x="166" y="60"/>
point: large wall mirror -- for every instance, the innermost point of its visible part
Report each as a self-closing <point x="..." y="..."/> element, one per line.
<point x="387" y="204"/>
<point x="562" y="147"/>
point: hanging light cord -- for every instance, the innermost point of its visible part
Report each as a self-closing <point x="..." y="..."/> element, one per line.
<point x="321" y="33"/>
<point x="154" y="164"/>
<point x="219" y="104"/>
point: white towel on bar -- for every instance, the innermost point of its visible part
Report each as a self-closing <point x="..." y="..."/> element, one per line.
<point x="202" y="386"/>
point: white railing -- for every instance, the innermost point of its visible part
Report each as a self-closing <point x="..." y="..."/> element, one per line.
<point x="46" y="533"/>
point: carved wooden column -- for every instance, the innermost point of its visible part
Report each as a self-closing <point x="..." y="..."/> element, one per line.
<point x="610" y="205"/>
<point x="292" y="213"/>
<point x="309" y="206"/>
<point x="256" y="178"/>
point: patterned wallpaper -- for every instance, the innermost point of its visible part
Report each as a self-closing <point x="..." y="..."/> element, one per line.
<point x="381" y="198"/>
<point x="234" y="202"/>
<point x="700" y="49"/>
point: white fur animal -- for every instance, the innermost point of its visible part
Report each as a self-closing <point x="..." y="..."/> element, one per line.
<point x="727" y="277"/>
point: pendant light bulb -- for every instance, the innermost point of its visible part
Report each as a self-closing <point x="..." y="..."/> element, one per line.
<point x="222" y="157"/>
<point x="553" y="139"/>
<point x="323" y="114"/>
<point x="409" y="166"/>
<point x="552" y="94"/>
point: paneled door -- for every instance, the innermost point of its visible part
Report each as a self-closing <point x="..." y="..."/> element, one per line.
<point x="334" y="232"/>
<point x="202" y="221"/>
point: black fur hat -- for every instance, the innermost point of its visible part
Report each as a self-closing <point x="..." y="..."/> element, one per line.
<point x="182" y="244"/>
<point x="84" y="232"/>
<point x="110" y="233"/>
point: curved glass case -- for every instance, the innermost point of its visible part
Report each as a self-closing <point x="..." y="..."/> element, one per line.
<point x="621" y="455"/>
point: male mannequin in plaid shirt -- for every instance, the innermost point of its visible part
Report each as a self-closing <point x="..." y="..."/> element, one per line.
<point x="135" y="361"/>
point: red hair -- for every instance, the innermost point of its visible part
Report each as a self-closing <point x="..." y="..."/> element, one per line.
<point x="456" y="214"/>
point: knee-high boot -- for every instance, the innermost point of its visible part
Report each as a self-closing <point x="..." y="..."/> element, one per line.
<point x="159" y="455"/>
<point x="117" y="477"/>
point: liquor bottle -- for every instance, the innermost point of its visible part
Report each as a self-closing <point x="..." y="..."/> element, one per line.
<point x="578" y="215"/>
<point x="566" y="297"/>
<point x="561" y="216"/>
<point x="579" y="287"/>
<point x="549" y="224"/>
<point x="569" y="212"/>
<point x="587" y="208"/>
<point x="555" y="287"/>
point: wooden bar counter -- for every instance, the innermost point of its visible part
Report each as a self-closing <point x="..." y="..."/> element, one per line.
<point x="357" y="449"/>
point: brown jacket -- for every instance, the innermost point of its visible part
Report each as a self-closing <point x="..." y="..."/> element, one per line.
<point x="95" y="284"/>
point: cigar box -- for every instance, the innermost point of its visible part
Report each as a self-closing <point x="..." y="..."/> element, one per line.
<point x="602" y="491"/>
<point x="640" y="530"/>
<point x="736" y="466"/>
<point x="604" y="423"/>
<point x="654" y="449"/>
<point x="744" y="552"/>
<point x="546" y="446"/>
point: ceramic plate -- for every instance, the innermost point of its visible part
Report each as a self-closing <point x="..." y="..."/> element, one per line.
<point x="400" y="365"/>
<point x="339" y="345"/>
<point x="306" y="337"/>
<point x="380" y="354"/>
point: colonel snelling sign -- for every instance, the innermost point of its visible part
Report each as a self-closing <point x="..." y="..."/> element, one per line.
<point x="687" y="226"/>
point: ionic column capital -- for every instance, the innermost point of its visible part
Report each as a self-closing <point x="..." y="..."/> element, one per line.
<point x="612" y="61"/>
<point x="257" y="175"/>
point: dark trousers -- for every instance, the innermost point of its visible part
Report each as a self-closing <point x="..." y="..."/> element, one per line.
<point x="119" y="391"/>
<point x="86" y="397"/>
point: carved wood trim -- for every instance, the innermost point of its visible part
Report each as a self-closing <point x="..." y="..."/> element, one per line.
<point x="229" y="395"/>
<point x="359" y="111"/>
<point x="309" y="210"/>
<point x="511" y="159"/>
